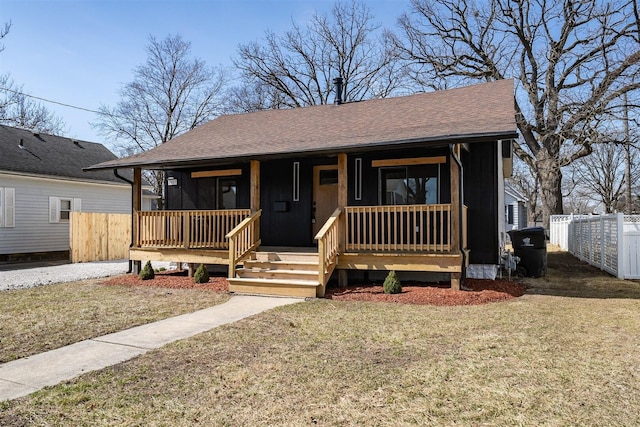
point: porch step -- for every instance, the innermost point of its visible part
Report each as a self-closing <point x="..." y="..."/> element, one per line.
<point x="287" y="256"/>
<point x="293" y="288"/>
<point x="282" y="265"/>
<point x="278" y="273"/>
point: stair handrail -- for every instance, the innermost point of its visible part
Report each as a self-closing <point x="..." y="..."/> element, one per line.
<point x="243" y="239"/>
<point x="329" y="247"/>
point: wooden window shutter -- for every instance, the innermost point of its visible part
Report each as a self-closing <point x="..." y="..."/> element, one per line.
<point x="54" y="209"/>
<point x="76" y="205"/>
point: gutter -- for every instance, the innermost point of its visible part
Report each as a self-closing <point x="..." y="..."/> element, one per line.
<point x="117" y="175"/>
<point x="460" y="214"/>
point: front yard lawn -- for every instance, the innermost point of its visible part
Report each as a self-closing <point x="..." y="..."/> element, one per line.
<point x="47" y="317"/>
<point x="556" y="356"/>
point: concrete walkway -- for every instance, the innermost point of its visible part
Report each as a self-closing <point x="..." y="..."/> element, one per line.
<point x="24" y="376"/>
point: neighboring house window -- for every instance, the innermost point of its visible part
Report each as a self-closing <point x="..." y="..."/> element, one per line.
<point x="60" y="208"/>
<point x="510" y="214"/>
<point x="409" y="185"/>
<point x="7" y="207"/>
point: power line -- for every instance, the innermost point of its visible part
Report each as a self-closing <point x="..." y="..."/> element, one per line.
<point x="101" y="113"/>
<point x="51" y="101"/>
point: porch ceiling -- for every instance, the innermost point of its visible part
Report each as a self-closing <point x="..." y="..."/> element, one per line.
<point x="474" y="113"/>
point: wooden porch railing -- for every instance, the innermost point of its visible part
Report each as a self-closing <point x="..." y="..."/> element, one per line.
<point x="414" y="228"/>
<point x="186" y="229"/>
<point x="243" y="239"/>
<point x="328" y="246"/>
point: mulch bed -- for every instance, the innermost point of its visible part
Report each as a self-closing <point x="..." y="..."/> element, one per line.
<point x="171" y="279"/>
<point x="480" y="291"/>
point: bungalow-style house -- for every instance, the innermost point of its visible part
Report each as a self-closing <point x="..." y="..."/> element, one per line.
<point x="41" y="182"/>
<point x="285" y="197"/>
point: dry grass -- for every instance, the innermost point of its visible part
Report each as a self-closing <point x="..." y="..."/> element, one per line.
<point x="554" y="357"/>
<point x="47" y="317"/>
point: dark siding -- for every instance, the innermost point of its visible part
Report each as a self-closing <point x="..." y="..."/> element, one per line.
<point x="199" y="193"/>
<point x="482" y="195"/>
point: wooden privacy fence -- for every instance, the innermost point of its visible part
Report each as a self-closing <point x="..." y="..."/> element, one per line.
<point x="99" y="236"/>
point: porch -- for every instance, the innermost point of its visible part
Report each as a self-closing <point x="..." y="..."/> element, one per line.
<point x="424" y="238"/>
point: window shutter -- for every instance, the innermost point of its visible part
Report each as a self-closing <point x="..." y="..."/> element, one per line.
<point x="1" y="207"/>
<point x="54" y="209"/>
<point x="77" y="205"/>
<point x="9" y="207"/>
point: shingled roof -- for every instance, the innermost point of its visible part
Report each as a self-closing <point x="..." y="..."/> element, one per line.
<point x="26" y="152"/>
<point x="478" y="112"/>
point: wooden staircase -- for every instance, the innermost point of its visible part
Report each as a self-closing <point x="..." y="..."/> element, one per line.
<point x="278" y="273"/>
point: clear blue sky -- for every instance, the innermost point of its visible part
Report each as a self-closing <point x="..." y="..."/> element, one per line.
<point x="81" y="52"/>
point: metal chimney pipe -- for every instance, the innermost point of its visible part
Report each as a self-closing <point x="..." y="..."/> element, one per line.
<point x="337" y="82"/>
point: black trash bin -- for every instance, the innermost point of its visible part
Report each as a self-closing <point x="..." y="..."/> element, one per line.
<point x="530" y="244"/>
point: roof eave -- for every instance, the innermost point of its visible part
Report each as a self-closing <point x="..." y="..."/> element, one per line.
<point x="195" y="161"/>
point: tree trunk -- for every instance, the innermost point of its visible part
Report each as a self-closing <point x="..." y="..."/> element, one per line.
<point x="551" y="186"/>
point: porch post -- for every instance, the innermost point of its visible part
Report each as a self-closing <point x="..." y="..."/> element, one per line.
<point x="342" y="180"/>
<point x="136" y="207"/>
<point x="255" y="186"/>
<point x="454" y="173"/>
<point x="255" y="192"/>
<point x="343" y="200"/>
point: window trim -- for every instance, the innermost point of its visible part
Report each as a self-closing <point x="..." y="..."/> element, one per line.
<point x="55" y="208"/>
<point x="357" y="182"/>
<point x="296" y="181"/>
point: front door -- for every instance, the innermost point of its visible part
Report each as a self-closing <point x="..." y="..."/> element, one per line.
<point x="325" y="194"/>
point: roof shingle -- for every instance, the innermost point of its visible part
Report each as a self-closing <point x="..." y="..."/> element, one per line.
<point x="435" y="117"/>
<point x="26" y="152"/>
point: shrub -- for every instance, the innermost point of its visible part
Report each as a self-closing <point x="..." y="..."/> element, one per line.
<point x="392" y="284"/>
<point x="201" y="275"/>
<point x="147" y="272"/>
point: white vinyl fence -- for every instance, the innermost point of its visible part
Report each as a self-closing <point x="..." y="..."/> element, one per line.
<point x="609" y="242"/>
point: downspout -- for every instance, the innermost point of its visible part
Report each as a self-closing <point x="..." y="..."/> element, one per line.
<point x="117" y="175"/>
<point x="460" y="213"/>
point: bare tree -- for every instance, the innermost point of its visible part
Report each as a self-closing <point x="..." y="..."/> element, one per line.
<point x="301" y="64"/>
<point x="19" y="109"/>
<point x="4" y="30"/>
<point x="171" y="93"/>
<point x="572" y="60"/>
<point x="251" y="96"/>
<point x="600" y="176"/>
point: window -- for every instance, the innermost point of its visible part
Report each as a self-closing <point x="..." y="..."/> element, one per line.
<point x="409" y="185"/>
<point x="358" y="179"/>
<point x="60" y="208"/>
<point x="7" y="207"/>
<point x="65" y="209"/>
<point x="227" y="191"/>
<point x="509" y="212"/>
<point x="296" y="181"/>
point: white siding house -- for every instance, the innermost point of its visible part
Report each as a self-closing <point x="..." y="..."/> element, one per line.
<point x="41" y="182"/>
<point x="515" y="208"/>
